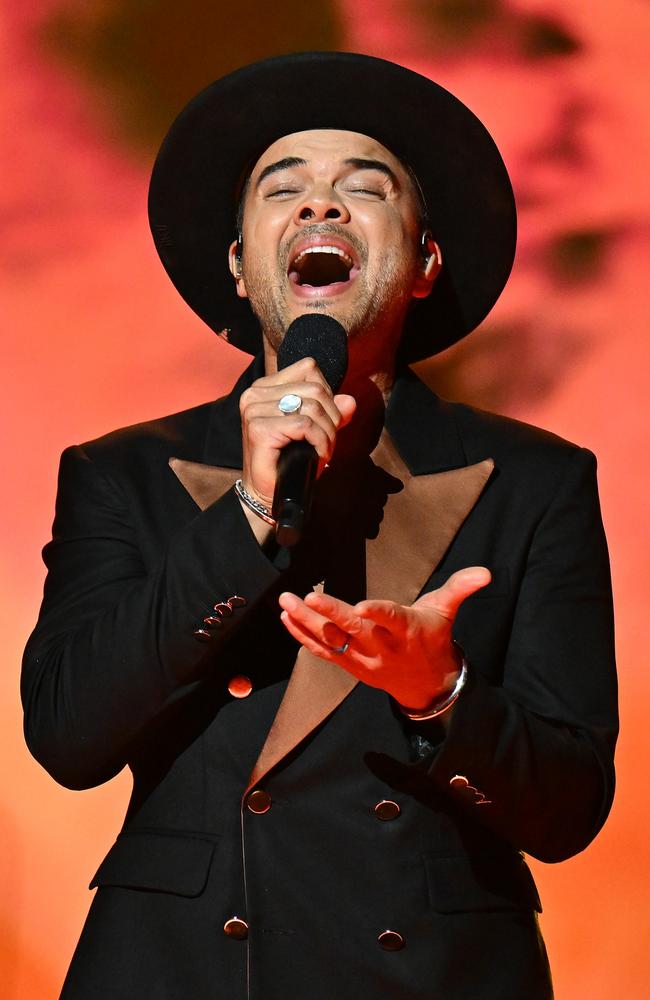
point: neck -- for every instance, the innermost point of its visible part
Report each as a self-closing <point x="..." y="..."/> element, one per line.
<point x="370" y="382"/>
<point x="359" y="437"/>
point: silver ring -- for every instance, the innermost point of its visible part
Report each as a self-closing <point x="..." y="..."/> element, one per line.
<point x="341" y="649"/>
<point x="290" y="403"/>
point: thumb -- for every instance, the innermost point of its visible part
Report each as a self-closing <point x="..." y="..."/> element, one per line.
<point x="346" y="405"/>
<point x="447" y="599"/>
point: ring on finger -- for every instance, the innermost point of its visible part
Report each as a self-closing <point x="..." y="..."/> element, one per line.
<point x="291" y="402"/>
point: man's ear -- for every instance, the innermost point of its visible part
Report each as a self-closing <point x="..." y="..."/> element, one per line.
<point x="235" y="265"/>
<point x="431" y="265"/>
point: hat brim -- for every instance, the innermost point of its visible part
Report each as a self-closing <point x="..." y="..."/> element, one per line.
<point x="224" y="130"/>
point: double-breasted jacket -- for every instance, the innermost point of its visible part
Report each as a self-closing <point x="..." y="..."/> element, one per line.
<point x="290" y="833"/>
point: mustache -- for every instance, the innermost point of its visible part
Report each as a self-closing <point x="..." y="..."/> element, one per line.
<point x="323" y="229"/>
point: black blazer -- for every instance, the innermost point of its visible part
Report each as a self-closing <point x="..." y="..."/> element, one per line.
<point x="114" y="676"/>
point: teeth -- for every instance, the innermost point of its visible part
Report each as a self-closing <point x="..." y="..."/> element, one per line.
<point x="325" y="249"/>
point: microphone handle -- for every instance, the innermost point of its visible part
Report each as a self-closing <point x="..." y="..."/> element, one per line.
<point x="297" y="467"/>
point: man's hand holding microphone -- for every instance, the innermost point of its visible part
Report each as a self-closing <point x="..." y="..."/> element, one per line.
<point x="405" y="651"/>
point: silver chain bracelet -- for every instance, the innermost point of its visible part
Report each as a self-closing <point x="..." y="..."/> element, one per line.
<point x="258" y="508"/>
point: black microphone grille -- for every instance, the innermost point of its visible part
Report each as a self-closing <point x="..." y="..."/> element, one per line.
<point x="322" y="338"/>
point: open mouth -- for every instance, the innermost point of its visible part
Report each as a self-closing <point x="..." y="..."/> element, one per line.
<point x="322" y="266"/>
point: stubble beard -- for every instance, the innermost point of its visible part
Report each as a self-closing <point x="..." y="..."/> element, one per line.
<point x="376" y="310"/>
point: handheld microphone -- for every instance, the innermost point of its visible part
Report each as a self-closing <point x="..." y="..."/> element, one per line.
<point x="323" y="339"/>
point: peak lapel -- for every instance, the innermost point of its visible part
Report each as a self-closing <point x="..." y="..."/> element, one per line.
<point x="316" y="687"/>
<point x="204" y="483"/>
<point x="419" y="524"/>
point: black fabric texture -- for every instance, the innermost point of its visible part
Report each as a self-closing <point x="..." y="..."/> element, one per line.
<point x="113" y="676"/>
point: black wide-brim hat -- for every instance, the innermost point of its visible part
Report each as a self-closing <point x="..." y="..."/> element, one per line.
<point x="222" y="132"/>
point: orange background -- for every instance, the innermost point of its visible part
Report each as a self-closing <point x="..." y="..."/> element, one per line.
<point x="96" y="337"/>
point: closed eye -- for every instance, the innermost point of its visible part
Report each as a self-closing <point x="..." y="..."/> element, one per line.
<point x="282" y="192"/>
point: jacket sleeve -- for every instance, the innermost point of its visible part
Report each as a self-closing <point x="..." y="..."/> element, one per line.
<point x="533" y="758"/>
<point x="114" y="646"/>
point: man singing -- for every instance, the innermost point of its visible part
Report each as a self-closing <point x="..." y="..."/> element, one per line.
<point x="341" y="749"/>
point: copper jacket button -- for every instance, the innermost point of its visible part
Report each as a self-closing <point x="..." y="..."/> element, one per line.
<point x="240" y="686"/>
<point x="259" y="801"/>
<point x="387" y="809"/>
<point x="236" y="928"/>
<point x="391" y="940"/>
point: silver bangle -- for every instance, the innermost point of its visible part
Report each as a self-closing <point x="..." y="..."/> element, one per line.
<point x="258" y="508"/>
<point x="442" y="706"/>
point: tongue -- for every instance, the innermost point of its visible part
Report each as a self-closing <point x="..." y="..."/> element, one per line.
<point x="319" y="270"/>
<point x="295" y="279"/>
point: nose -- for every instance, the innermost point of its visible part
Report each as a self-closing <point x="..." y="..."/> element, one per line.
<point x="321" y="204"/>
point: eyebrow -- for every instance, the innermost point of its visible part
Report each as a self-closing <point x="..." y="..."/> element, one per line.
<point x="296" y="161"/>
<point x="284" y="164"/>
<point x="383" y="168"/>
